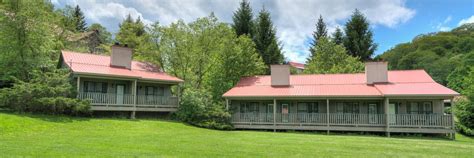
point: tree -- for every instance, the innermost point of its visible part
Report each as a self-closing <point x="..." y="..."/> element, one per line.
<point x="29" y="38"/>
<point x="79" y="21"/>
<point x="320" y="32"/>
<point x="338" y="36"/>
<point x="266" y="41"/>
<point x="133" y="34"/>
<point x="358" y="40"/>
<point x="332" y="58"/>
<point x="243" y="19"/>
<point x="205" y="53"/>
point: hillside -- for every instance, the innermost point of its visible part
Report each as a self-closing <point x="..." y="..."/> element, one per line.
<point x="438" y="53"/>
<point x="55" y="136"/>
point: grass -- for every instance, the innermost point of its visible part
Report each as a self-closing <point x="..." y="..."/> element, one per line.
<point x="60" y="136"/>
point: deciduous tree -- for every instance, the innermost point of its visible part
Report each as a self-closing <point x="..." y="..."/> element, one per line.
<point x="332" y="58"/>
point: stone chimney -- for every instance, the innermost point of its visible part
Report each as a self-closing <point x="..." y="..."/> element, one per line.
<point x="121" y="57"/>
<point x="280" y="75"/>
<point x="376" y="72"/>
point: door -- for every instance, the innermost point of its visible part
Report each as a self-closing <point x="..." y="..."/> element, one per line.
<point x="120" y="93"/>
<point x="373" y="119"/>
<point x="284" y="113"/>
<point x="391" y="113"/>
<point x="269" y="114"/>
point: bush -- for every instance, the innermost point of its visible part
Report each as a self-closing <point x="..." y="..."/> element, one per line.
<point x="196" y="108"/>
<point x="49" y="93"/>
<point x="464" y="112"/>
<point x="464" y="130"/>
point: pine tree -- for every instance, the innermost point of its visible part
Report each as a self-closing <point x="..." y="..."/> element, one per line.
<point x="358" y="40"/>
<point x="243" y="19"/>
<point x="338" y="36"/>
<point x="139" y="27"/>
<point x="131" y="32"/>
<point x="266" y="41"/>
<point x="320" y="32"/>
<point x="79" y="21"/>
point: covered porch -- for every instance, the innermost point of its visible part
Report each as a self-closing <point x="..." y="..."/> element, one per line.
<point x="396" y="115"/>
<point x="126" y="94"/>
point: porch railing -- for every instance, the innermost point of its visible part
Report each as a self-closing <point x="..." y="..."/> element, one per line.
<point x="395" y="120"/>
<point x="417" y="120"/>
<point x="107" y="98"/>
<point x="126" y="99"/>
<point x="156" y="100"/>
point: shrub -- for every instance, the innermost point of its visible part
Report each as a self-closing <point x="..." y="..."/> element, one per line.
<point x="464" y="111"/>
<point x="196" y="108"/>
<point x="49" y="93"/>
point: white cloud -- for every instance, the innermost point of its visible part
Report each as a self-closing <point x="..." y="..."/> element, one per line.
<point x="294" y="19"/>
<point x="442" y="25"/>
<point x="467" y="20"/>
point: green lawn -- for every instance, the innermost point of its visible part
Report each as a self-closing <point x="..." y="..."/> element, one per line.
<point x="52" y="136"/>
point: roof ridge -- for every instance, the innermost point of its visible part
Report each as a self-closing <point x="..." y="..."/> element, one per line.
<point x="342" y="84"/>
<point x="101" y="55"/>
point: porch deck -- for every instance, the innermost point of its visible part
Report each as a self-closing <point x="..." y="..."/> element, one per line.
<point x="128" y="102"/>
<point x="412" y="123"/>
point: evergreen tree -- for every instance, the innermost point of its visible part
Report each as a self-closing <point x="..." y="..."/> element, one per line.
<point x="358" y="40"/>
<point x="320" y="32"/>
<point x="79" y="21"/>
<point x="243" y="19"/>
<point x="139" y="27"/>
<point x="131" y="33"/>
<point x="338" y="36"/>
<point x="266" y="41"/>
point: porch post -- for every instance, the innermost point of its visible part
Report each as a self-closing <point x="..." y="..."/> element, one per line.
<point x="387" y="117"/>
<point x="134" y="94"/>
<point x="226" y="104"/>
<point x="178" y="89"/>
<point x="274" y="114"/>
<point x="327" y="114"/>
<point x="78" y="85"/>
<point x="453" y="135"/>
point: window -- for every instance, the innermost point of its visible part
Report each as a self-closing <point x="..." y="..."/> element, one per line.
<point x="98" y="87"/>
<point x="347" y="107"/>
<point x="157" y="91"/>
<point x="420" y="108"/>
<point x="427" y="108"/>
<point x="308" y="107"/>
<point x="150" y="90"/>
<point x="248" y="107"/>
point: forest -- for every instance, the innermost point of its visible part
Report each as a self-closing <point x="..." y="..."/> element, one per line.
<point x="208" y="54"/>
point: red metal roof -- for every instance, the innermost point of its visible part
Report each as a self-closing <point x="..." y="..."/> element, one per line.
<point x="296" y="65"/>
<point x="401" y="83"/>
<point x="100" y="65"/>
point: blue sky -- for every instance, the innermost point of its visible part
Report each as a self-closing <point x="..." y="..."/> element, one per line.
<point x="392" y="21"/>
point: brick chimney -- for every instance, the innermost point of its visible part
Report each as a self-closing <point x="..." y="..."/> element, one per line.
<point x="376" y="72"/>
<point x="280" y="75"/>
<point x="121" y="56"/>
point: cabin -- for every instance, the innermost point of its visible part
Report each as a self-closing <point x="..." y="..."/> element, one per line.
<point x="117" y="83"/>
<point x="401" y="101"/>
<point x="297" y="67"/>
